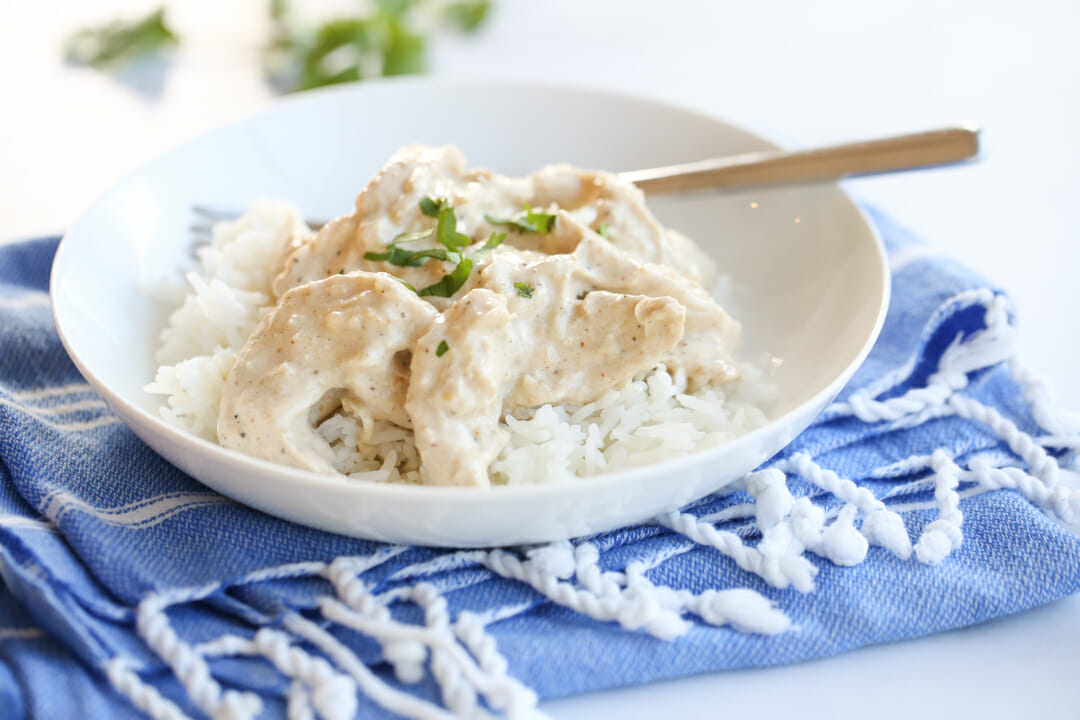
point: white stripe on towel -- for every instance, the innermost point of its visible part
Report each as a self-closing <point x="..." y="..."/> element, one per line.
<point x="139" y="515"/>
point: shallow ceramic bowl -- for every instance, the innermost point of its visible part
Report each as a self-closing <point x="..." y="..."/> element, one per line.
<point x="809" y="268"/>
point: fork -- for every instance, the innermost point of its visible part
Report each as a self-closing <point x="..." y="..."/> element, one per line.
<point x="771" y="167"/>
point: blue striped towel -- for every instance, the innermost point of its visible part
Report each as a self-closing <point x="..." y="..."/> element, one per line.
<point x="936" y="492"/>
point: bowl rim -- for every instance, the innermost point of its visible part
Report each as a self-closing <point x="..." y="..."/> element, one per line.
<point x="266" y="470"/>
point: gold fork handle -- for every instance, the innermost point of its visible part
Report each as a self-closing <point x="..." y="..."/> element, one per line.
<point x="771" y="167"/>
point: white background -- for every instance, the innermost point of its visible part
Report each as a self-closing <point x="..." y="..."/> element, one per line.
<point x="802" y="73"/>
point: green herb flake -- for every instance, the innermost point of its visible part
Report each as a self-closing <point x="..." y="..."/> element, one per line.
<point x="405" y="52"/>
<point x="528" y="221"/>
<point x="446" y="231"/>
<point x="408" y="237"/>
<point x="467" y="15"/>
<point x="118" y="42"/>
<point x="406" y="284"/>
<point x="431" y="207"/>
<point x="401" y="257"/>
<point x="452" y="243"/>
<point x="341" y="271"/>
<point x="493" y="242"/>
<point x="451" y="282"/>
<point x="441" y="350"/>
<point x="604" y="231"/>
<point x="524" y="290"/>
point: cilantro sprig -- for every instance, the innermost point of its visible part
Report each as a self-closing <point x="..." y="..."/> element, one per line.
<point x="528" y="221"/>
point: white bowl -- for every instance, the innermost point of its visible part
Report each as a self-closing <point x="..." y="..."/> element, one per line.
<point x="811" y="270"/>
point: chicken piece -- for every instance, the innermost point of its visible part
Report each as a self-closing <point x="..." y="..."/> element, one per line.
<point x="455" y="396"/>
<point x="389" y="206"/>
<point x="581" y="341"/>
<point x="602" y="198"/>
<point x="298" y="262"/>
<point x="345" y="338"/>
<point x="504" y="350"/>
<point x="712" y="337"/>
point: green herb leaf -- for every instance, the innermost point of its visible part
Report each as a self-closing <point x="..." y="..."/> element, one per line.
<point x="119" y="42"/>
<point x="451" y="282"/>
<point x="408" y="237"/>
<point x="604" y="231"/>
<point x="524" y="290"/>
<point x="401" y="257"/>
<point x="404" y="283"/>
<point x="446" y="231"/>
<point x="396" y="8"/>
<point x="529" y="221"/>
<point x="542" y="222"/>
<point x="493" y="242"/>
<point x="431" y="207"/>
<point x="441" y="350"/>
<point x="334" y="54"/>
<point x="405" y="52"/>
<point x="467" y="15"/>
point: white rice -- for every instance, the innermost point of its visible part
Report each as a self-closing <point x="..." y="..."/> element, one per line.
<point x="653" y="418"/>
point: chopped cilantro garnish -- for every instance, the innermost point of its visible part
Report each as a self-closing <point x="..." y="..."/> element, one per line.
<point x="524" y="290"/>
<point x="446" y="231"/>
<point x="493" y="242"/>
<point x="451" y="282"/>
<point x="604" y="231"/>
<point x="401" y="257"/>
<point x="408" y="285"/>
<point x="452" y="242"/>
<point x="529" y="221"/>
<point x="408" y="237"/>
<point x="441" y="350"/>
<point x="431" y="207"/>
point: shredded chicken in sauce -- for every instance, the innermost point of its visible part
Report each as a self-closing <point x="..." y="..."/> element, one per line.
<point x="454" y="296"/>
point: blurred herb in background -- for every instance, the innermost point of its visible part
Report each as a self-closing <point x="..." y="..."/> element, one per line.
<point x="117" y="42"/>
<point x="391" y="38"/>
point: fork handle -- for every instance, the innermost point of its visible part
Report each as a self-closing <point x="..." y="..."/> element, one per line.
<point x="771" y="167"/>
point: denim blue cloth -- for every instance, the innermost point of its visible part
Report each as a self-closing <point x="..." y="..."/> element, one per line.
<point x="92" y="522"/>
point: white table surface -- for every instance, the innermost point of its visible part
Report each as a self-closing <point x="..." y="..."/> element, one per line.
<point x="802" y="73"/>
